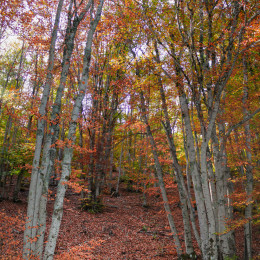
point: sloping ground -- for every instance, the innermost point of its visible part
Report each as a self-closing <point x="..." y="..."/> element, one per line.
<point x="125" y="230"/>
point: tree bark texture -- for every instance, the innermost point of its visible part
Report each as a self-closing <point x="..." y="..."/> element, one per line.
<point x="68" y="151"/>
<point x="33" y="205"/>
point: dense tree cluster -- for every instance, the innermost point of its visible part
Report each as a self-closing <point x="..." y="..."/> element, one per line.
<point x="147" y="91"/>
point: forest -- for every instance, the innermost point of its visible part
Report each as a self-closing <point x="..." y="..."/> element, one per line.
<point x="129" y="129"/>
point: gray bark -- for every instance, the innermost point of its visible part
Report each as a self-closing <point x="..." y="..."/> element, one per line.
<point x="184" y="198"/>
<point x="160" y="178"/>
<point x="68" y="151"/>
<point x="111" y="162"/>
<point x="32" y="210"/>
<point x="200" y="201"/>
<point x="249" y="169"/>
<point x="49" y="152"/>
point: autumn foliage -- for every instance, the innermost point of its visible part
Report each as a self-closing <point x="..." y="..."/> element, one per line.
<point x="153" y="100"/>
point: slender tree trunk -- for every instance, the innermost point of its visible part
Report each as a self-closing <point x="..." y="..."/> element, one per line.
<point x="35" y="90"/>
<point x="111" y="162"/>
<point x="32" y="210"/>
<point x="212" y="184"/>
<point x="202" y="214"/>
<point x="219" y="189"/>
<point x="160" y="178"/>
<point x="119" y="168"/>
<point x="92" y="142"/>
<point x="7" y="136"/>
<point x="226" y="240"/>
<point x="184" y="198"/>
<point x="68" y="151"/>
<point x="4" y="165"/>
<point x="249" y="169"/>
<point x="7" y="81"/>
<point x="187" y="209"/>
<point x="145" y="204"/>
<point x="49" y="151"/>
<point x="188" y="177"/>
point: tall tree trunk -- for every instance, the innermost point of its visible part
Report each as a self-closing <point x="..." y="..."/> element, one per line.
<point x="49" y="151"/>
<point x="111" y="163"/>
<point x="119" y="168"/>
<point x="32" y="210"/>
<point x="35" y="91"/>
<point x="208" y="238"/>
<point x="7" y="136"/>
<point x="7" y="81"/>
<point x="184" y="198"/>
<point x="160" y="178"/>
<point x="189" y="183"/>
<point x="4" y="165"/>
<point x="68" y="151"/>
<point x="249" y="169"/>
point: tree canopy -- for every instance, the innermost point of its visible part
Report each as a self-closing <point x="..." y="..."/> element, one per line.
<point x="156" y="94"/>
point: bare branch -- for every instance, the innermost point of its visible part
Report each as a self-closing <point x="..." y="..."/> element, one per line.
<point x="248" y="117"/>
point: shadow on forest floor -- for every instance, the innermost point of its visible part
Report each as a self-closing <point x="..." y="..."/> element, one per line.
<point x="124" y="230"/>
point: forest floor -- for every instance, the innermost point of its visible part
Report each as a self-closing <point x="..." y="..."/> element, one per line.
<point x="124" y="230"/>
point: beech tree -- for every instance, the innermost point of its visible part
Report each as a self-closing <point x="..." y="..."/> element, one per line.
<point x="204" y="76"/>
<point x="40" y="178"/>
<point x="202" y="63"/>
<point x="160" y="95"/>
<point x="30" y="232"/>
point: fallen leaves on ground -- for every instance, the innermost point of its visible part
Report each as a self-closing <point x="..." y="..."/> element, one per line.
<point x="125" y="230"/>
